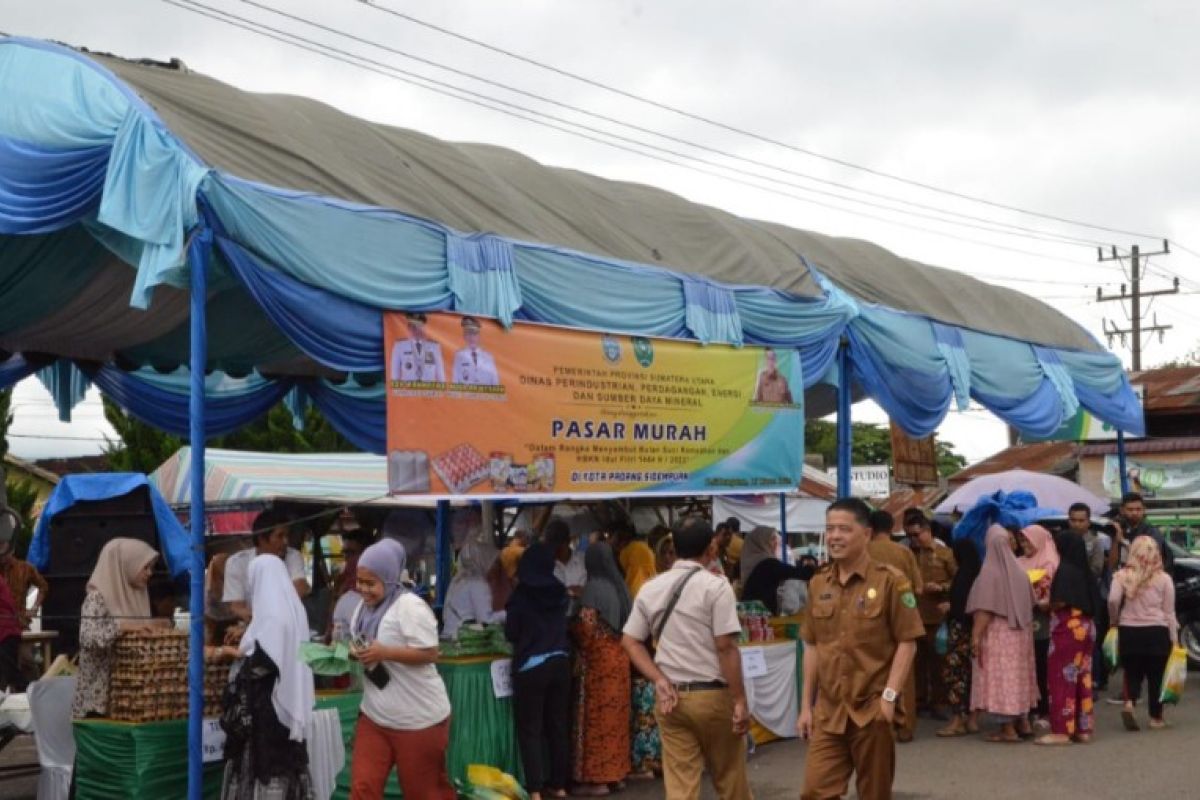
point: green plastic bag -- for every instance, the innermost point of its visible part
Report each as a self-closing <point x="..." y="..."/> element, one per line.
<point x="325" y="659"/>
<point x="1174" y="676"/>
<point x="1112" y="655"/>
<point x="941" y="641"/>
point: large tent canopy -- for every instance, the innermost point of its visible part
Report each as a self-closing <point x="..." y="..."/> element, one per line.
<point x="116" y="175"/>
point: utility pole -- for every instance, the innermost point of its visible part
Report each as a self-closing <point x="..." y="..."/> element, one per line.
<point x="1135" y="301"/>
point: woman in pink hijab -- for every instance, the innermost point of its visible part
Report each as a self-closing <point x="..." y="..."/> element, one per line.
<point x="1004" y="682"/>
<point x="1041" y="554"/>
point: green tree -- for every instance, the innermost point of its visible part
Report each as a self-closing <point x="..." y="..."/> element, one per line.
<point x="870" y="444"/>
<point x="22" y="495"/>
<point x="139" y="447"/>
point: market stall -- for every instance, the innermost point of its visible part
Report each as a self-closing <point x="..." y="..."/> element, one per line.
<point x="139" y="180"/>
<point x="118" y="760"/>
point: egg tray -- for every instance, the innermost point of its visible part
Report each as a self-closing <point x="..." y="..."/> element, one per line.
<point x="149" y="678"/>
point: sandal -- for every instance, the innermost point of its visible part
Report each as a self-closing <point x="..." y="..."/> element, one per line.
<point x="953" y="730"/>
<point x="1158" y="724"/>
<point x="1130" y="721"/>
<point x="1000" y="738"/>
<point x="1052" y="740"/>
<point x="1083" y="738"/>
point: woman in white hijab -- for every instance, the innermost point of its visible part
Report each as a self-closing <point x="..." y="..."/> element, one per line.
<point x="469" y="596"/>
<point x="269" y="704"/>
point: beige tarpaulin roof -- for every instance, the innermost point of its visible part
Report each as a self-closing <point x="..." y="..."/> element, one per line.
<point x="298" y="143"/>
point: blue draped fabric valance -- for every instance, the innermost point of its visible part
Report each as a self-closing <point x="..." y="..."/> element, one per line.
<point x="89" y="173"/>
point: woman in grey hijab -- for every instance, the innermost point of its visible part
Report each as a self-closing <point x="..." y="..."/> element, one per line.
<point x="603" y="681"/>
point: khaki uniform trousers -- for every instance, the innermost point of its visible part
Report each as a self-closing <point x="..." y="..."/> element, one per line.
<point x="869" y="751"/>
<point x="907" y="721"/>
<point x="698" y="735"/>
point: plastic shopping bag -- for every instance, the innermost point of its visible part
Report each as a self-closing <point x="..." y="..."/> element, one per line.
<point x="489" y="783"/>
<point x="1111" y="653"/>
<point x="1174" y="676"/>
<point x="941" y="641"/>
<point x="324" y="659"/>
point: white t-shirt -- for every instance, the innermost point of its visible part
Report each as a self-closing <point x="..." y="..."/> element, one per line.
<point x="415" y="698"/>
<point x="237" y="570"/>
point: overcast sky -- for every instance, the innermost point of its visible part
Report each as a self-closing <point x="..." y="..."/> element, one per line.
<point x="1081" y="110"/>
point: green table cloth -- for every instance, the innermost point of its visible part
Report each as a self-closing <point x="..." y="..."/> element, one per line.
<point x="118" y="760"/>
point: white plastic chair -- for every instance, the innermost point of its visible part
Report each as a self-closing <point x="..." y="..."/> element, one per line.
<point x="50" y="703"/>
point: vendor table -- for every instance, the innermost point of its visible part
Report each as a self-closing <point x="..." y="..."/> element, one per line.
<point x="120" y="760"/>
<point x="774" y="697"/>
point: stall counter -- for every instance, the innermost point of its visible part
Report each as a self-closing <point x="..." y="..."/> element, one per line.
<point x="119" y="760"/>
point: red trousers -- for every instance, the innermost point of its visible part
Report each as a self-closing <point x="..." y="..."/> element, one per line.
<point x="419" y="758"/>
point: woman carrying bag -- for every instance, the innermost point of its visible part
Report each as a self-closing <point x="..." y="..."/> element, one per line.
<point x="405" y="719"/>
<point x="1142" y="602"/>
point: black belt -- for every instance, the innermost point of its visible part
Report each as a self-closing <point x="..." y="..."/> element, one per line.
<point x="701" y="686"/>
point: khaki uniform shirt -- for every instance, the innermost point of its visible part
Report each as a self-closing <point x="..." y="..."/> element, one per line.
<point x="773" y="389"/>
<point x="856" y="629"/>
<point x="937" y="566"/>
<point x="686" y="653"/>
<point x="894" y="554"/>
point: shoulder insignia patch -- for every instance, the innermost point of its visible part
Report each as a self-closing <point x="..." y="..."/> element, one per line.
<point x="909" y="600"/>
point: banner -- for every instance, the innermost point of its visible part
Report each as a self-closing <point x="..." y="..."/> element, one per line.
<point x="1154" y="480"/>
<point x="474" y="409"/>
<point x="1084" y="427"/>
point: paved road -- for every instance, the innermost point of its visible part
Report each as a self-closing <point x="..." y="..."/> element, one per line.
<point x="1118" y="764"/>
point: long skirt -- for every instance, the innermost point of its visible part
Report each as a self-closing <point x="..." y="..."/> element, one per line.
<point x="956" y="672"/>
<point x="1072" y="642"/>
<point x="646" y="745"/>
<point x="602" y="702"/>
<point x="1004" y="681"/>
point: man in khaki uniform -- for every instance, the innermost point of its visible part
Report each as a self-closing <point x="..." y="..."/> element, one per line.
<point x="772" y="386"/>
<point x="697" y="669"/>
<point x="859" y="629"/>
<point x="886" y="550"/>
<point x="937" y="571"/>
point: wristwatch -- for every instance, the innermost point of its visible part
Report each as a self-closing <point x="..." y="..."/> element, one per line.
<point x="890" y="695"/>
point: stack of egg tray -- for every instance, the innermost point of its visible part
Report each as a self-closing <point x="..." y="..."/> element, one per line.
<point x="149" y="676"/>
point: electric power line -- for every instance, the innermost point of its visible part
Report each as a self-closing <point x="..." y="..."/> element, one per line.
<point x="1012" y="229"/>
<point x="747" y="133"/>
<point x="396" y="73"/>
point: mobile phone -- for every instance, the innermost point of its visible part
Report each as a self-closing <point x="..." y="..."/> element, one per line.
<point x="378" y="676"/>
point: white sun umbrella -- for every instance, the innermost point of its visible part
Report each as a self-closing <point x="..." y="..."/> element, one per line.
<point x="1051" y="491"/>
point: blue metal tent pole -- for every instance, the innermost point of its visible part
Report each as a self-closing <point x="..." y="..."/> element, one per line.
<point x="843" y="421"/>
<point x="198" y="254"/>
<point x="1122" y="463"/>
<point x="443" y="550"/>
<point x="783" y="531"/>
